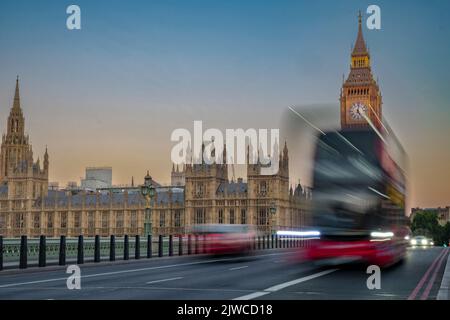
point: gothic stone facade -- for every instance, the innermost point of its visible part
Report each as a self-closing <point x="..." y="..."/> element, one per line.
<point x="211" y="198"/>
<point x="27" y="207"/>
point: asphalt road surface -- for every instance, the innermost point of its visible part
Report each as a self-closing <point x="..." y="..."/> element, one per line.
<point x="268" y="274"/>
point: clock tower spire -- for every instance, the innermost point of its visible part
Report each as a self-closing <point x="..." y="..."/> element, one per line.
<point x="361" y="101"/>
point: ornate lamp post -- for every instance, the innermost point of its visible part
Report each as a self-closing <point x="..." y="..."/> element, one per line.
<point x="273" y="211"/>
<point x="148" y="191"/>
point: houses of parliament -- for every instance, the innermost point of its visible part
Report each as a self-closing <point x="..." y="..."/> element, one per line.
<point x="198" y="194"/>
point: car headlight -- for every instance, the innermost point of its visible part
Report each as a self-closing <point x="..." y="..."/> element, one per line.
<point x="432" y="243"/>
<point x="424" y="242"/>
<point x="406" y="237"/>
<point x="413" y="242"/>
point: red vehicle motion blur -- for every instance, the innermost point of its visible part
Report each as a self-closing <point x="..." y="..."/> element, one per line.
<point x="221" y="239"/>
<point x="359" y="199"/>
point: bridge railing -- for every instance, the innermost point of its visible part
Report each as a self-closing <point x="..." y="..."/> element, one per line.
<point x="41" y="251"/>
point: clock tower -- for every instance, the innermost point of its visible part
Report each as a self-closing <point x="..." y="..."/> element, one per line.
<point x="360" y="98"/>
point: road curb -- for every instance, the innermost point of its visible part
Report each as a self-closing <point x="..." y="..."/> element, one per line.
<point x="443" y="293"/>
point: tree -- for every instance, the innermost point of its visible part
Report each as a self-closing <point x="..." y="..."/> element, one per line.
<point x="426" y="223"/>
<point x="446" y="233"/>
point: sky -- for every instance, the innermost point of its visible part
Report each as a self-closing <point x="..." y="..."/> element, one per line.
<point x="111" y="93"/>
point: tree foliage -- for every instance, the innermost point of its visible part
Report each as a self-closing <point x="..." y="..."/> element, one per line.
<point x="426" y="223"/>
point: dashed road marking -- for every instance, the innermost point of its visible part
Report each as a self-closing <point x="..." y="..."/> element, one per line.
<point x="238" y="268"/>
<point x="164" y="280"/>
<point x="284" y="285"/>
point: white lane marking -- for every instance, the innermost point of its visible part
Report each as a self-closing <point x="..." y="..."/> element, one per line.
<point x="133" y="270"/>
<point x="445" y="283"/>
<point x="238" y="268"/>
<point x="300" y="280"/>
<point x="164" y="280"/>
<point x="252" y="295"/>
<point x="284" y="285"/>
<point x="278" y="261"/>
<point x="30" y="282"/>
<point x="386" y="295"/>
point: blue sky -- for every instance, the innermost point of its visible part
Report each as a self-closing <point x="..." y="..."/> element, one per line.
<point x="139" y="69"/>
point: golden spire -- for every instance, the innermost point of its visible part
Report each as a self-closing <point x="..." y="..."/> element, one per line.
<point x="360" y="48"/>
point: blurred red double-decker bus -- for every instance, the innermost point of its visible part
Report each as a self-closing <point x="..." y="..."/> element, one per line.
<point x="359" y="198"/>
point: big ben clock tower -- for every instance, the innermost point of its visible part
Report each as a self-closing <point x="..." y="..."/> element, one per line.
<point x="361" y="101"/>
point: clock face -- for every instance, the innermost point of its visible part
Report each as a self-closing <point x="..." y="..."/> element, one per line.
<point x="357" y="111"/>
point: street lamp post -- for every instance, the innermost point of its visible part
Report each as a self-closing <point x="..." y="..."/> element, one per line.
<point x="148" y="191"/>
<point x="273" y="211"/>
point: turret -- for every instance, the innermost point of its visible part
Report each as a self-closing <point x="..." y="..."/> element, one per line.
<point x="285" y="155"/>
<point x="16" y="121"/>
<point x="46" y="162"/>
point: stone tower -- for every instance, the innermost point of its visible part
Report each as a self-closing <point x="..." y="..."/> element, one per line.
<point x="201" y="184"/>
<point x="360" y="98"/>
<point x="265" y="191"/>
<point x="177" y="176"/>
<point x="25" y="178"/>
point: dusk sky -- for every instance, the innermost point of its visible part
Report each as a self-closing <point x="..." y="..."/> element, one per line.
<point x="112" y="92"/>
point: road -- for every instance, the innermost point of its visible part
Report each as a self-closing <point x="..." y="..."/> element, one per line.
<point x="268" y="274"/>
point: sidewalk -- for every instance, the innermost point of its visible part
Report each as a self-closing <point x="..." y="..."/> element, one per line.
<point x="444" y="293"/>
